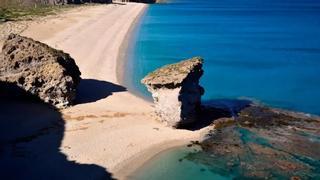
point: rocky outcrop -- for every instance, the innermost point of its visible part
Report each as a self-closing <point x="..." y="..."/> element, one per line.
<point x="262" y="142"/>
<point x="40" y="70"/>
<point x="176" y="92"/>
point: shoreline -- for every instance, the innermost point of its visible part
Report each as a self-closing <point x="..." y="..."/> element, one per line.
<point x="122" y="59"/>
<point x="111" y="127"/>
<point x="130" y="166"/>
<point x="124" y="47"/>
<point x="140" y="159"/>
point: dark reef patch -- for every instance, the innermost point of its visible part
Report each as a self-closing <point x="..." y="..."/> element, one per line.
<point x="262" y="143"/>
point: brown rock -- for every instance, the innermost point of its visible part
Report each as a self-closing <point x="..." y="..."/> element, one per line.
<point x="40" y="70"/>
<point x="176" y="91"/>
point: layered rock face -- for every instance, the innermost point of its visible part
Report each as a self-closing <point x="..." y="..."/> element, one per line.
<point x="40" y="70"/>
<point x="176" y="91"/>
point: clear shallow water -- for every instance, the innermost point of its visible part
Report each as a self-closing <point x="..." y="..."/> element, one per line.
<point x="190" y="164"/>
<point x="266" y="50"/>
<point x="172" y="164"/>
<point x="254" y="146"/>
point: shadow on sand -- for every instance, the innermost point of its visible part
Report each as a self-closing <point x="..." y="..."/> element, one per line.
<point x="212" y="110"/>
<point x="91" y="90"/>
<point x="118" y="3"/>
<point x="31" y="133"/>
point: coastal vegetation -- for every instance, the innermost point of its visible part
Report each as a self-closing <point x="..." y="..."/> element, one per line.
<point x="13" y="12"/>
<point x="26" y="9"/>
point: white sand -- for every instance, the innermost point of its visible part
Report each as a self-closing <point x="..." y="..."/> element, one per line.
<point x="119" y="131"/>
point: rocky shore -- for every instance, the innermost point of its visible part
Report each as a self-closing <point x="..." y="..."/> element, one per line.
<point x="262" y="143"/>
<point x="245" y="140"/>
<point x="109" y="129"/>
<point x="89" y="138"/>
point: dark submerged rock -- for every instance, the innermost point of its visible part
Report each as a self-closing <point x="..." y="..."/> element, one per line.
<point x="40" y="70"/>
<point x="263" y="143"/>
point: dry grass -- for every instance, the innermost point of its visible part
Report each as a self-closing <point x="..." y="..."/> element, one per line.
<point x="14" y="11"/>
<point x="6" y="3"/>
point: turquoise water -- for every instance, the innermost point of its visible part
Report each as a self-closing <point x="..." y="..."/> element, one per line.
<point x="253" y="158"/>
<point x="263" y="50"/>
<point x="173" y="165"/>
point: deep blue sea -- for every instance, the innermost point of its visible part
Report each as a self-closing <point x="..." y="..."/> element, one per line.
<point x="263" y="50"/>
<point x="267" y="51"/>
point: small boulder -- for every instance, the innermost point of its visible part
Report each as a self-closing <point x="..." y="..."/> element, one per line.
<point x="176" y="91"/>
<point x="40" y="70"/>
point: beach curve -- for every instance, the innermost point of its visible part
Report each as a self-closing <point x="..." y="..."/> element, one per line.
<point x="108" y="126"/>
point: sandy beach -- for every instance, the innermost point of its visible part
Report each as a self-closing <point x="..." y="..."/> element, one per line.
<point x="109" y="126"/>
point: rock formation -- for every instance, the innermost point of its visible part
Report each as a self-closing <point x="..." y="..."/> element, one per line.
<point x="176" y="92"/>
<point x="40" y="70"/>
<point x="262" y="142"/>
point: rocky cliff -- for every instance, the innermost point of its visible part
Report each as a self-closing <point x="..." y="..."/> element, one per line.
<point x="40" y="70"/>
<point x="176" y="91"/>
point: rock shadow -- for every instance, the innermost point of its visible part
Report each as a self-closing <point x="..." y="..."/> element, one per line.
<point x="31" y="133"/>
<point x="234" y="106"/>
<point x="212" y="110"/>
<point x="91" y="90"/>
<point x="89" y="1"/>
<point x="119" y="3"/>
